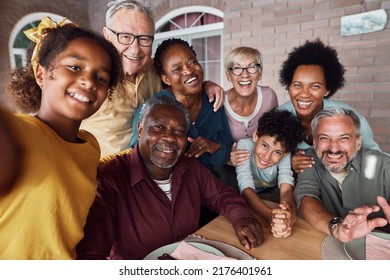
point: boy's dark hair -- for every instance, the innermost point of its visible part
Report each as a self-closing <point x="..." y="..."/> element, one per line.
<point x="22" y="87"/>
<point x="162" y="48"/>
<point x="314" y="53"/>
<point x="282" y="125"/>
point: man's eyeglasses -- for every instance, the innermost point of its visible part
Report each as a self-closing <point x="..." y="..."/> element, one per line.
<point x="251" y="69"/>
<point x="128" y="39"/>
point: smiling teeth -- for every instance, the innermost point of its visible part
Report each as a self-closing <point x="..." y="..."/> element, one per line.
<point x="167" y="151"/>
<point x="190" y="80"/>
<point x="80" y="97"/>
<point x="301" y="103"/>
<point x="245" y="83"/>
<point x="334" y="155"/>
<point x="263" y="162"/>
<point x="133" y="58"/>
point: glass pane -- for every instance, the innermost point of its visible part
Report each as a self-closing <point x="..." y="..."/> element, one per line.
<point x="208" y="52"/>
<point x="18" y="60"/>
<point x="213" y="72"/>
<point x="189" y="20"/>
<point x="21" y="41"/>
<point x="194" y="20"/>
<point x="178" y="22"/>
<point x="209" y="18"/>
<point x="214" y="48"/>
<point x="164" y="28"/>
<point x="199" y="46"/>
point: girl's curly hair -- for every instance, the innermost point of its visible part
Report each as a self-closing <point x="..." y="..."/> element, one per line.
<point x="22" y="89"/>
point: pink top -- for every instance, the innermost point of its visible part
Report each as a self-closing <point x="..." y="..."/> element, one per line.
<point x="243" y="127"/>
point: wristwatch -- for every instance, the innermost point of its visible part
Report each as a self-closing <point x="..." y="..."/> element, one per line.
<point x="333" y="224"/>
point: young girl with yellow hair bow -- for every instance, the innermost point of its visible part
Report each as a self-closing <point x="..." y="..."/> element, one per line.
<point x="48" y="166"/>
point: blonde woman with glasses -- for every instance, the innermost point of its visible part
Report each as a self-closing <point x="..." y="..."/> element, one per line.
<point x="244" y="103"/>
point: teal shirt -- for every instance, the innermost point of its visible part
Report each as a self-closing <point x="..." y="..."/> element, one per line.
<point x="368" y="176"/>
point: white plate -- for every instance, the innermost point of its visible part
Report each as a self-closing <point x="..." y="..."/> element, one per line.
<point x="356" y="249"/>
<point x="171" y="247"/>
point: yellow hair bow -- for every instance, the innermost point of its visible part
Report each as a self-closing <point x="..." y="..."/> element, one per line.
<point x="37" y="34"/>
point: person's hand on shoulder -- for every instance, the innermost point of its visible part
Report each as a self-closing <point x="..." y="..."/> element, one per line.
<point x="249" y="231"/>
<point x="214" y="92"/>
<point x="238" y="156"/>
<point x="283" y="218"/>
<point x="300" y="161"/>
<point x="10" y="155"/>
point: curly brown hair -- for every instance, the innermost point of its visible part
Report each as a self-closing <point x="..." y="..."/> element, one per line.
<point x="22" y="89"/>
<point x="282" y="125"/>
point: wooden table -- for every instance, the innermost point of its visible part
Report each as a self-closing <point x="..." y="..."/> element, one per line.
<point x="303" y="244"/>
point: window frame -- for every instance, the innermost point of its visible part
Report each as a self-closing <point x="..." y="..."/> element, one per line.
<point x="195" y="32"/>
<point x="27" y="19"/>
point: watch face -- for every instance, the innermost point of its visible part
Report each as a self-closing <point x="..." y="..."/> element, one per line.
<point x="336" y="221"/>
<point x="333" y="224"/>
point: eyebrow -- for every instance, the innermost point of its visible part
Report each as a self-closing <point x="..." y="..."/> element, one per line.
<point x="81" y="58"/>
<point x="297" y="81"/>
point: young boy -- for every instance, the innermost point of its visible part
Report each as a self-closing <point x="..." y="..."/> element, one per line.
<point x="269" y="165"/>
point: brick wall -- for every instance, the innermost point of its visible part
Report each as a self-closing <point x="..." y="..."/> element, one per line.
<point x="11" y="11"/>
<point x="274" y="27"/>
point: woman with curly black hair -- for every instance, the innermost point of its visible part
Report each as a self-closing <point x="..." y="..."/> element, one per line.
<point x="209" y="137"/>
<point x="312" y="74"/>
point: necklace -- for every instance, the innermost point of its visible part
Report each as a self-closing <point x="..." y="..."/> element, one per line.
<point x="308" y="137"/>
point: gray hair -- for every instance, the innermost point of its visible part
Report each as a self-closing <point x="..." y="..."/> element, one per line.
<point x="239" y="53"/>
<point x="162" y="100"/>
<point x="114" y="6"/>
<point x="330" y="112"/>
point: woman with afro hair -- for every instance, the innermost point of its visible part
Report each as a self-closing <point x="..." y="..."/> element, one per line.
<point x="312" y="73"/>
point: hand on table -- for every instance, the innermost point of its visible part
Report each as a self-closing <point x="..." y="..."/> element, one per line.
<point x="249" y="231"/>
<point x="300" y="161"/>
<point x="283" y="219"/>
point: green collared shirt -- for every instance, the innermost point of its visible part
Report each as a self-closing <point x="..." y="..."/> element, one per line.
<point x="368" y="176"/>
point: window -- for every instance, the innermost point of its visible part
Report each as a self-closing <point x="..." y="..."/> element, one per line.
<point x="201" y="27"/>
<point x="18" y="42"/>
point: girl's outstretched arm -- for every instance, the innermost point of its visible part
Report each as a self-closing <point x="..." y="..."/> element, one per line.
<point x="10" y="153"/>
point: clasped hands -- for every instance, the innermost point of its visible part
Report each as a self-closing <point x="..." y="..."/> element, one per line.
<point x="283" y="218"/>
